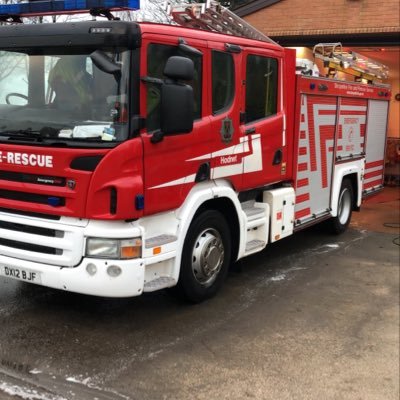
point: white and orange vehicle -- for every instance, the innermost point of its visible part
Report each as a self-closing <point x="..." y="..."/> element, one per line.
<point x="183" y="151"/>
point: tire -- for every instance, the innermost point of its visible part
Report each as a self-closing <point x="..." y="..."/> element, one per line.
<point x="205" y="258"/>
<point x="345" y="207"/>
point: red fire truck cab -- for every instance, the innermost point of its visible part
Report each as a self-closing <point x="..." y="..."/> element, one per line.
<point x="136" y="157"/>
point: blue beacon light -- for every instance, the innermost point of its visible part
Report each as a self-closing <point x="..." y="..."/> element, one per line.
<point x="35" y="8"/>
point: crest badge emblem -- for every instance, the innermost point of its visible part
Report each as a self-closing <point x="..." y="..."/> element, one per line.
<point x="226" y="130"/>
<point x="71" y="184"/>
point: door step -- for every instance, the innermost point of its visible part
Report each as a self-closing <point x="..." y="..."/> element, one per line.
<point x="159" y="283"/>
<point x="252" y="212"/>
<point x="160" y="240"/>
<point x="254" y="245"/>
<point x="256" y="224"/>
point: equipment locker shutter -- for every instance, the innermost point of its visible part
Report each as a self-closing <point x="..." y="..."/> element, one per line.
<point x="375" y="145"/>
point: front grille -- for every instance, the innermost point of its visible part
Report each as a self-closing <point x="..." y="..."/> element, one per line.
<point x="32" y="178"/>
<point x="29" y="197"/>
<point x="12" y="226"/>
<point x="43" y="241"/>
<point x="30" y="214"/>
<point x="30" y="247"/>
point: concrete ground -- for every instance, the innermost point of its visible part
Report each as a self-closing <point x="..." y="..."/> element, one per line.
<point x="314" y="316"/>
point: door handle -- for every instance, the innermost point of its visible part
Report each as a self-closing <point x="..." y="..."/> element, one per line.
<point x="250" y="131"/>
<point x="277" y="157"/>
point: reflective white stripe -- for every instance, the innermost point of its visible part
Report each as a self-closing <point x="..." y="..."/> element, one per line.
<point x="242" y="147"/>
<point x="282" y="108"/>
<point x="180" y="181"/>
<point x="249" y="163"/>
<point x="373" y="179"/>
<point x="284" y="131"/>
<point x="353" y="108"/>
<point x="373" y="169"/>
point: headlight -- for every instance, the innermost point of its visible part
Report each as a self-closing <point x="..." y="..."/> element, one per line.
<point x="113" y="248"/>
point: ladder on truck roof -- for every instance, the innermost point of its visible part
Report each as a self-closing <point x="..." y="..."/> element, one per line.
<point x="211" y="16"/>
<point x="349" y="62"/>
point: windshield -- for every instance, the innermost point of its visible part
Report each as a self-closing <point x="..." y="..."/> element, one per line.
<point x="79" y="97"/>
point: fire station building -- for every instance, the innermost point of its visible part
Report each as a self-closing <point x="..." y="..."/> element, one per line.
<point x="368" y="27"/>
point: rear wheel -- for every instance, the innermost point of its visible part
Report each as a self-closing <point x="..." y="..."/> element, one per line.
<point x="206" y="257"/>
<point x="345" y="207"/>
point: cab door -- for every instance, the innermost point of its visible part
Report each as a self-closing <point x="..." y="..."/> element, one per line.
<point x="170" y="167"/>
<point x="226" y="144"/>
<point x="263" y="118"/>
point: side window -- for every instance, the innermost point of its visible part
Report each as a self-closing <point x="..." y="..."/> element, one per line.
<point x="157" y="57"/>
<point x="261" y="87"/>
<point x="14" y="72"/>
<point x="223" y="81"/>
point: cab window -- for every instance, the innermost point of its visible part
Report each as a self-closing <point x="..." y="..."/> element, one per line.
<point x="157" y="56"/>
<point x="223" y="81"/>
<point x="261" y="87"/>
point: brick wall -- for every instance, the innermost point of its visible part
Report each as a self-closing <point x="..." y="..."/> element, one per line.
<point x="331" y="16"/>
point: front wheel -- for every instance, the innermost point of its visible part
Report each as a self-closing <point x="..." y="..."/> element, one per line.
<point x="345" y="208"/>
<point x="205" y="258"/>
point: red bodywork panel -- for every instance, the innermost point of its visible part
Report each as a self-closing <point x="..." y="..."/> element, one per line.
<point x="246" y="161"/>
<point x="27" y="186"/>
<point x="166" y="171"/>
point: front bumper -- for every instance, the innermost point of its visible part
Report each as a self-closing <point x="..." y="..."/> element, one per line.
<point x="128" y="284"/>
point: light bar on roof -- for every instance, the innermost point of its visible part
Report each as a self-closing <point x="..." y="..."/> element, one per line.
<point x="50" y="7"/>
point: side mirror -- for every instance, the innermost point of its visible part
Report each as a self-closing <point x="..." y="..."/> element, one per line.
<point x="179" y="68"/>
<point x="177" y="98"/>
<point x="177" y="108"/>
<point x="104" y="63"/>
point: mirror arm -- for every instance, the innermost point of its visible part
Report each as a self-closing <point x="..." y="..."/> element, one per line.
<point x="105" y="64"/>
<point x="137" y="124"/>
<point x="182" y="45"/>
<point x="157" y="137"/>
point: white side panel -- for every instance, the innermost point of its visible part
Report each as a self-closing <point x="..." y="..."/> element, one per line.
<point x="281" y="202"/>
<point x="351" y="134"/>
<point x="341" y="171"/>
<point x="315" y="156"/>
<point x="376" y="141"/>
<point x="376" y="129"/>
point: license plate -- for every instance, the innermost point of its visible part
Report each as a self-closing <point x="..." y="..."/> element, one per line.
<point x="22" y="274"/>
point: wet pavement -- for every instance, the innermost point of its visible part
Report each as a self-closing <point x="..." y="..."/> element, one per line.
<point x="314" y="316"/>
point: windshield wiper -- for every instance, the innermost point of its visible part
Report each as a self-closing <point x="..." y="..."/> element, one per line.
<point x="39" y="135"/>
<point x="21" y="133"/>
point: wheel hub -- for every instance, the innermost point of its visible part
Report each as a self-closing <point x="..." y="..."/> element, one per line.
<point x="207" y="257"/>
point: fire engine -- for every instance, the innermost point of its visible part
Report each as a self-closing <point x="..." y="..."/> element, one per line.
<point x="138" y="156"/>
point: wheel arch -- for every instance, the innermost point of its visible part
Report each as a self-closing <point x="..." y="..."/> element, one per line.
<point x="352" y="178"/>
<point x="219" y="196"/>
<point x="353" y="172"/>
<point x="225" y="206"/>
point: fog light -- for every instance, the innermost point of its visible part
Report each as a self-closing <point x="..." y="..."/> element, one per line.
<point x="114" y="271"/>
<point x="91" y="269"/>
